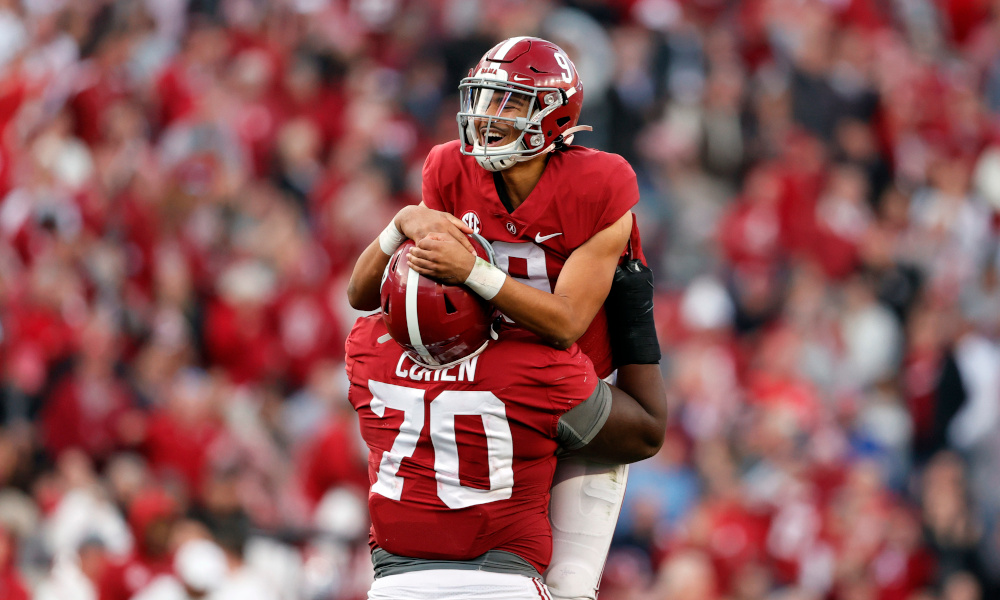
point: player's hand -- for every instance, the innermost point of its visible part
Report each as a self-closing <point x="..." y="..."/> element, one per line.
<point x="441" y="257"/>
<point x="417" y="222"/>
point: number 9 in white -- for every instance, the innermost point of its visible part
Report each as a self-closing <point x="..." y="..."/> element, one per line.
<point x="563" y="62"/>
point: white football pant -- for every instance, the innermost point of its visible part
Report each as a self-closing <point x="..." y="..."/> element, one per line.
<point x="445" y="584"/>
<point x="586" y="500"/>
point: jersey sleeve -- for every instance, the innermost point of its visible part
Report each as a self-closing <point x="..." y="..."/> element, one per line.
<point x="621" y="193"/>
<point x="358" y="349"/>
<point x="583" y="422"/>
<point x="431" y="180"/>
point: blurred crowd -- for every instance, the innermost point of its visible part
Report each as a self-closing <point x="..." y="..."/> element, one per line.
<point x="185" y="184"/>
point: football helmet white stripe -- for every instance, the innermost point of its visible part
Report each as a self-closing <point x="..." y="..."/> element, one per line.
<point x="502" y="52"/>
<point x="413" y="317"/>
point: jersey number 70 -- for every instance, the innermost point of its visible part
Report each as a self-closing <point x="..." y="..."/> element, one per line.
<point x="441" y="413"/>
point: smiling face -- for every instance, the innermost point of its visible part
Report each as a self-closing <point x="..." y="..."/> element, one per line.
<point x="507" y="106"/>
<point x="500" y="120"/>
<point x="521" y="100"/>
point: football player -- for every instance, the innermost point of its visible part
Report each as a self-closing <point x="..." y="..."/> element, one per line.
<point x="559" y="218"/>
<point x="463" y="431"/>
<point x="558" y="215"/>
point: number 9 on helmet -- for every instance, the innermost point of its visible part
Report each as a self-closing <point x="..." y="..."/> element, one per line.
<point x="437" y="324"/>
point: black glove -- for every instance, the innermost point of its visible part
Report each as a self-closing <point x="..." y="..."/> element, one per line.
<point x="630" y="316"/>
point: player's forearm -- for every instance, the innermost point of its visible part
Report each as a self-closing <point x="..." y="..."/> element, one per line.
<point x="553" y="318"/>
<point x="363" y="288"/>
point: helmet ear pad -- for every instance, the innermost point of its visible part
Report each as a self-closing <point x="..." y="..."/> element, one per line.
<point x="437" y="324"/>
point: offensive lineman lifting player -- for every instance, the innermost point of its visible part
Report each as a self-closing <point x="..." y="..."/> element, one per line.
<point x="559" y="219"/>
<point x="462" y="434"/>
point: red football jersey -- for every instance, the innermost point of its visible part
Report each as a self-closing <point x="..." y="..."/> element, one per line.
<point x="581" y="192"/>
<point x="461" y="459"/>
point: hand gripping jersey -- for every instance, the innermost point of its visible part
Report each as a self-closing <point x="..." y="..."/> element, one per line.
<point x="461" y="459"/>
<point x="581" y="192"/>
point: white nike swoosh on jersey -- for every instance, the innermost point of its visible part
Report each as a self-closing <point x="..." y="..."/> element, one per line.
<point x="539" y="238"/>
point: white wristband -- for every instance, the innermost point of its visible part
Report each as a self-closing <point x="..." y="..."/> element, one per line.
<point x="390" y="238"/>
<point x="485" y="279"/>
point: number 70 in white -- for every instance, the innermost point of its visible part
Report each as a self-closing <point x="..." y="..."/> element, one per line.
<point x="442" y="412"/>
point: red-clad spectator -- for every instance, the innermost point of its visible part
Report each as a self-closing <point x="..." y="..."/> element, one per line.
<point x="750" y="234"/>
<point x="151" y="517"/>
<point x="180" y="434"/>
<point x="687" y="575"/>
<point x="36" y="327"/>
<point x="723" y="526"/>
<point x="255" y="116"/>
<point x="14" y="90"/>
<point x="89" y="407"/>
<point x="737" y="539"/>
<point x="183" y="83"/>
<point x="239" y="335"/>
<point x="842" y="218"/>
<point x="11" y="585"/>
<point x="904" y="565"/>
<point x="963" y="17"/>
<point x="333" y="459"/>
<point x="86" y="411"/>
<point x="306" y="314"/>
<point x="303" y="95"/>
<point x="865" y="14"/>
<point x="794" y="537"/>
<point x="102" y="81"/>
<point x="776" y="386"/>
<point x="802" y="170"/>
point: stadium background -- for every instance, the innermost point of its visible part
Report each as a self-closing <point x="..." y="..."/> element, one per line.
<point x="185" y="185"/>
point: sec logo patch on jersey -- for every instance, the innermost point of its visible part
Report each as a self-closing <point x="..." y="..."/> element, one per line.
<point x="472" y="220"/>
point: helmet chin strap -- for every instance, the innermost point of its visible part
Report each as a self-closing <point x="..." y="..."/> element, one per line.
<point x="567" y="136"/>
<point x="494" y="335"/>
<point x="419" y="360"/>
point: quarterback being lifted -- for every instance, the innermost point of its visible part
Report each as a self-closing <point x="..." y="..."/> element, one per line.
<point x="559" y="218"/>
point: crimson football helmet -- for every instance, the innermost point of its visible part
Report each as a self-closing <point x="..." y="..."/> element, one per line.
<point x="438" y="325"/>
<point x="526" y="85"/>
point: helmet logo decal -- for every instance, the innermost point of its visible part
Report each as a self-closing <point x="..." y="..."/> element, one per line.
<point x="493" y="72"/>
<point x="472" y="220"/>
<point x="563" y="62"/>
